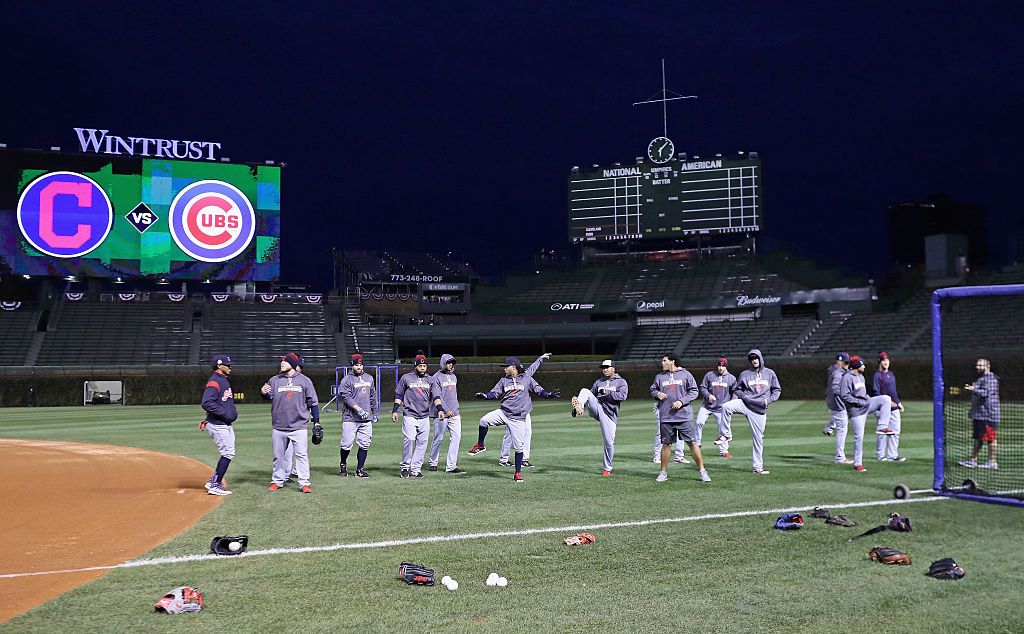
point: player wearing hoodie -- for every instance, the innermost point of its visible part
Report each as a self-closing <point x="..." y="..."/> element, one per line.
<point x="446" y="402"/>
<point x="755" y="390"/>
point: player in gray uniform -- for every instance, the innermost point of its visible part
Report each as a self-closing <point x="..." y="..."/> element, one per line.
<point x="445" y="397"/>
<point x="755" y="390"/>
<point x="293" y="403"/>
<point x="674" y="389"/>
<point x="358" y="397"/>
<point x="513" y="390"/>
<point x="839" y="420"/>
<point x="413" y="393"/>
<point x="854" y="394"/>
<point x="506" y="440"/>
<point x="680" y="446"/>
<point x="716" y="389"/>
<point x="602" y="402"/>
<point x="842" y="362"/>
<point x="219" y="404"/>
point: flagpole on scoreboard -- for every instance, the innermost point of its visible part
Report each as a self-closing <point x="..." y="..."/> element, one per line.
<point x="664" y="99"/>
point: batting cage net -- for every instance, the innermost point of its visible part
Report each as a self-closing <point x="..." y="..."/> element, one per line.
<point x="979" y="409"/>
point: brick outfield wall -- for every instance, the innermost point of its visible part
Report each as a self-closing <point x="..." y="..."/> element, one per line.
<point x="800" y="379"/>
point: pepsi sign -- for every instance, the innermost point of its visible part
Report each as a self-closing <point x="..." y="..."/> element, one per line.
<point x="211" y="221"/>
<point x="65" y="214"/>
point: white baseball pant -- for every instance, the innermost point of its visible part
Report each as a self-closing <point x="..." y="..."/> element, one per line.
<point x="888" y="445"/>
<point x="415" y="433"/>
<point x="517" y="428"/>
<point x="280" y="440"/>
<point x="454" y="426"/>
<point x="506" y="441"/>
<point x="840" y="422"/>
<point x="590" y="403"/>
<point x="757" y="425"/>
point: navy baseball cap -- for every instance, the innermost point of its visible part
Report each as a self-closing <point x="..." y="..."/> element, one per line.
<point x="293" y="359"/>
<point x="221" y="359"/>
<point x="607" y="363"/>
<point x="843" y="356"/>
<point x="512" y="361"/>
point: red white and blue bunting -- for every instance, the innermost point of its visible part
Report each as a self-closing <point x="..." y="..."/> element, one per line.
<point x="10" y="305"/>
<point x="218" y="297"/>
<point x="314" y="299"/>
<point x="176" y="297"/>
<point x="74" y="297"/>
<point x="127" y="297"/>
<point x="268" y="298"/>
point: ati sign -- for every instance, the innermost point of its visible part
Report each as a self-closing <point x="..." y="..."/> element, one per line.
<point x="560" y="307"/>
<point x="102" y="142"/>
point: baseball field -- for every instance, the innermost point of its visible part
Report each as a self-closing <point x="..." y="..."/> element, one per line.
<point x="676" y="555"/>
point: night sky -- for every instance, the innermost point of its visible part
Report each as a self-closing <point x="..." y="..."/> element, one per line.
<point x="452" y="126"/>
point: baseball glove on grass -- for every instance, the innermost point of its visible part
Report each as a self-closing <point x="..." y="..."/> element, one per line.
<point x="181" y="600"/>
<point x="415" y="574"/>
<point x="890" y="556"/>
<point x="840" y="520"/>
<point x="318" y="433"/>
<point x="945" y="569"/>
<point x="820" y="513"/>
<point x="899" y="523"/>
<point x="790" y="522"/>
<point x="580" y="539"/>
<point x="222" y="545"/>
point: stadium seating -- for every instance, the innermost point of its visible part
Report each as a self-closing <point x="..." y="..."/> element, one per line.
<point x="261" y="333"/>
<point x="117" y="333"/>
<point x="16" y="331"/>
<point x="898" y="331"/>
<point x="735" y="338"/>
<point x="650" y="342"/>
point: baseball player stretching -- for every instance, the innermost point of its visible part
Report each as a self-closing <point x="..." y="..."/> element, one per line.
<point x="675" y="388"/>
<point x="716" y="388"/>
<point x="293" y="402"/>
<point x="887" y="447"/>
<point x="219" y="404"/>
<point x="756" y="388"/>
<point x="602" y="402"/>
<point x="358" y="397"/>
<point x="506" y="440"/>
<point x="413" y="393"/>
<point x="680" y="453"/>
<point x="445" y="398"/>
<point x="513" y="390"/>
<point x="854" y="394"/>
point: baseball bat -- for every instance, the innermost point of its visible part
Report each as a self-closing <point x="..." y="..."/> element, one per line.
<point x="870" y="531"/>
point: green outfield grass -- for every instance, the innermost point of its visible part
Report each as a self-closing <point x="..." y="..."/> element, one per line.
<point x="717" y="575"/>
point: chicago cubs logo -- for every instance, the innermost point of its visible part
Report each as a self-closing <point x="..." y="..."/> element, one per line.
<point x="212" y="221"/>
<point x="65" y="214"/>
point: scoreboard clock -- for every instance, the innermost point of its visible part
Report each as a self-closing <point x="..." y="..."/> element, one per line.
<point x="661" y="150"/>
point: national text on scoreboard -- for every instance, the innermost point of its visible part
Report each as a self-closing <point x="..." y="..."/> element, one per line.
<point x="675" y="199"/>
<point x="132" y="217"/>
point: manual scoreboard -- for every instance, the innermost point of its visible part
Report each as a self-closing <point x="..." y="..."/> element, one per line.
<point x="674" y="198"/>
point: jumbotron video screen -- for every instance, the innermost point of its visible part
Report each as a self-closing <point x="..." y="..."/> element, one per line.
<point x="675" y="199"/>
<point x="108" y="216"/>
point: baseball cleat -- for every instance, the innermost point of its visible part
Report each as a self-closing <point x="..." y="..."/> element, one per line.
<point x="606" y="473"/>
<point x="274" y="486"/>
<point x="680" y="460"/>
<point x="504" y="463"/>
<point x="661" y="477"/>
<point x="577" y="409"/>
<point x="343" y="470"/>
<point x="518" y="477"/>
<point x="991" y="464"/>
<point x="883" y="460"/>
<point x="844" y="461"/>
<point x="827" y="432"/>
<point x="886" y="431"/>
<point x="970" y="464"/>
<point x="859" y="468"/>
<point x="527" y="464"/>
<point x="761" y="472"/>
<point x="455" y="470"/>
<point x="218" y="490"/>
<point x="306" y="488"/>
<point x="704" y="477"/>
<point x="404" y="473"/>
<point x="432" y="467"/>
<point x="726" y="455"/>
<point x="361" y="473"/>
<point x="211" y="482"/>
<point x="477" y="448"/>
<point x="898" y="459"/>
<point x="721" y="440"/>
<point x="418" y="474"/>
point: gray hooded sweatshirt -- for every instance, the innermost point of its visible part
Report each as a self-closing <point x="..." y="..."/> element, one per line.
<point x="445" y="387"/>
<point x="754" y="386"/>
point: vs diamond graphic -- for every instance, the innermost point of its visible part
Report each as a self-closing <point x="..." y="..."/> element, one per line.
<point x="142" y="217"/>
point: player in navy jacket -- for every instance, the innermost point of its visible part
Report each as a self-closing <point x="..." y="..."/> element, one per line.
<point x="219" y="404"/>
<point x="883" y="383"/>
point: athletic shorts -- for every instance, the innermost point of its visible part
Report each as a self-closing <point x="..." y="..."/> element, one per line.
<point x="984" y="431"/>
<point x="687" y="432"/>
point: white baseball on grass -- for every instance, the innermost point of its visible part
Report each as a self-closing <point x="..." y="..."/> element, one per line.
<point x="235" y="546"/>
<point x="492" y="579"/>
<point x="502" y="582"/>
<point x="446" y="579"/>
<point x="453" y="586"/>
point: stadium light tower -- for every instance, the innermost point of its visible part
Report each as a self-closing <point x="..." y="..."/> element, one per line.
<point x="664" y="98"/>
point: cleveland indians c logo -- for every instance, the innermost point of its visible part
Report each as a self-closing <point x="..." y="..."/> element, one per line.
<point x="65" y="214"/>
<point x="212" y="221"/>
